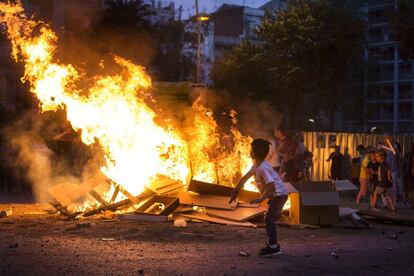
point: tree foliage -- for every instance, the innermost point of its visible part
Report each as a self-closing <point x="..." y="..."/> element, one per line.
<point x="168" y="63"/>
<point x="304" y="63"/>
<point x="125" y="29"/>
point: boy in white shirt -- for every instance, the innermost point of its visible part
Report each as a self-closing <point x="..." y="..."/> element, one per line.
<point x="271" y="187"/>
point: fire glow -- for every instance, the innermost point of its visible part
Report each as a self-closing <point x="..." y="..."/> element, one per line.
<point x="112" y="112"/>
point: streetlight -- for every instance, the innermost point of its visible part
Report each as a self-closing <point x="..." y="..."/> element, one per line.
<point x="313" y="123"/>
<point x="200" y="18"/>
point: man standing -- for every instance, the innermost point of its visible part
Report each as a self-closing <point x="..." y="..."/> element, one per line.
<point x="337" y="164"/>
<point x="392" y="162"/>
<point x="287" y="151"/>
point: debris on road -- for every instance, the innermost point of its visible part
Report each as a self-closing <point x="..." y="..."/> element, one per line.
<point x="107" y="239"/>
<point x="244" y="254"/>
<point x="14" y="245"/>
<point x="180" y="222"/>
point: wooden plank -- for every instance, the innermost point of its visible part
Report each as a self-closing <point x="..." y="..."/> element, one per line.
<point x="66" y="193"/>
<point x="205" y="217"/>
<point x="183" y="209"/>
<point x="169" y="188"/>
<point x="219" y="202"/>
<point x="114" y="195"/>
<point x="346" y="211"/>
<point x="125" y="192"/>
<point x="365" y="209"/>
<point x="238" y="215"/>
<point x="161" y="183"/>
<point x="247" y="205"/>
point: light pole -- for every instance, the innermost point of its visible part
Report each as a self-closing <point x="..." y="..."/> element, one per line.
<point x="198" y="43"/>
<point x="199" y="18"/>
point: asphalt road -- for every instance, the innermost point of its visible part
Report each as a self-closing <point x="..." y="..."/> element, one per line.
<point x="33" y="244"/>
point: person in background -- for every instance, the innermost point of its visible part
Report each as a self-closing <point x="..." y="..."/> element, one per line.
<point x="300" y="156"/>
<point x="287" y="151"/>
<point x="373" y="167"/>
<point x="392" y="162"/>
<point x="384" y="182"/>
<point x="361" y="153"/>
<point x="273" y="156"/>
<point x="363" y="178"/>
<point x="356" y="164"/>
<point x="400" y="165"/>
<point x="347" y="164"/>
<point x="409" y="183"/>
<point x="308" y="165"/>
<point x="337" y="164"/>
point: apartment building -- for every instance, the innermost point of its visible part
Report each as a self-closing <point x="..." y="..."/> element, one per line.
<point x="390" y="88"/>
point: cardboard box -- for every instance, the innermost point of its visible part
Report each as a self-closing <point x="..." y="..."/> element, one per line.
<point x="314" y="203"/>
<point x="150" y="206"/>
<point x="215" y="189"/>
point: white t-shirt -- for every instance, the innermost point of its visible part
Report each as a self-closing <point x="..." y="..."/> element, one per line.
<point x="264" y="174"/>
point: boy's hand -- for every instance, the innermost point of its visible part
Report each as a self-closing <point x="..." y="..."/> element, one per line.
<point x="233" y="196"/>
<point x="256" y="201"/>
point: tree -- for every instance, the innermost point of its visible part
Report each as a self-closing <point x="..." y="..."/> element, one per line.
<point x="125" y="29"/>
<point x="305" y="62"/>
<point x="402" y="22"/>
<point x="169" y="64"/>
<point x="127" y="13"/>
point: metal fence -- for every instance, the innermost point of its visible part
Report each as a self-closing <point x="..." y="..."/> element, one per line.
<point x="321" y="145"/>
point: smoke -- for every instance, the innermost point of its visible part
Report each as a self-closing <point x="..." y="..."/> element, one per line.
<point x="42" y="160"/>
<point x="254" y="118"/>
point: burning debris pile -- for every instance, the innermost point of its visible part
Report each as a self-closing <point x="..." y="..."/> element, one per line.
<point x="141" y="153"/>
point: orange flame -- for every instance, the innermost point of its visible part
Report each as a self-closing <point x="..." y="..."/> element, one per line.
<point x="111" y="112"/>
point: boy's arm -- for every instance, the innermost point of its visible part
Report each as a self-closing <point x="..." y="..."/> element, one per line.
<point x="270" y="188"/>
<point x="239" y="185"/>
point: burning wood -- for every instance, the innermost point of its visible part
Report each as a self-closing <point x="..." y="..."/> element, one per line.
<point x="137" y="146"/>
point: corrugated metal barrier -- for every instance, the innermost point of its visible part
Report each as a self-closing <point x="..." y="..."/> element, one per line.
<point x="320" y="144"/>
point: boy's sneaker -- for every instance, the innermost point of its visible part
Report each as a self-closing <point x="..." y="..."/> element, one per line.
<point x="269" y="251"/>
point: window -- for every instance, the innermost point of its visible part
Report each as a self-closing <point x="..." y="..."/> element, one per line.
<point x="387" y="72"/>
<point x="405" y="111"/>
<point x="387" y="92"/>
<point x="405" y="127"/>
<point x="387" y="53"/>
<point x="374" y="53"/>
<point x="387" y="111"/>
<point x="373" y="111"/>
<point x="377" y="16"/>
<point x="405" y="71"/>
<point x="375" y="35"/>
<point x="405" y="91"/>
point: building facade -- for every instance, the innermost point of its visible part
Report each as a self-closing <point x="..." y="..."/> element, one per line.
<point x="390" y="88"/>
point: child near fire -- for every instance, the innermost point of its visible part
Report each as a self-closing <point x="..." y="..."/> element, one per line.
<point x="271" y="187"/>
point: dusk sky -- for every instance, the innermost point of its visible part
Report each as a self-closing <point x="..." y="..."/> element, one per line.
<point x="211" y="5"/>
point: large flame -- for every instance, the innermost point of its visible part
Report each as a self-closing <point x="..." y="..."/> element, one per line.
<point x="111" y="111"/>
<point x="215" y="157"/>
